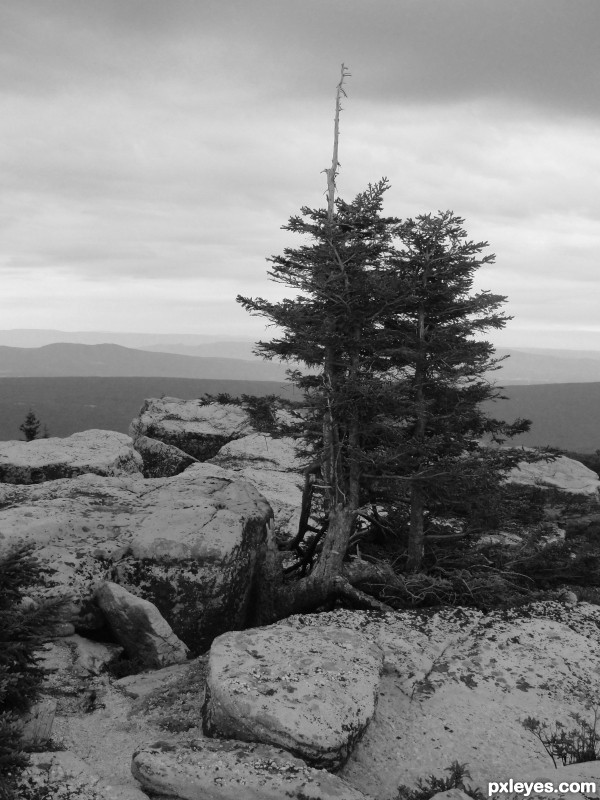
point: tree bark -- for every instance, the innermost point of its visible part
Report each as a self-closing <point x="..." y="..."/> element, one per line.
<point x="274" y="599"/>
<point x="416" y="540"/>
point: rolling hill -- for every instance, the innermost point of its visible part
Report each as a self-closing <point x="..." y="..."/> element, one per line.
<point x="112" y="360"/>
<point x="73" y="386"/>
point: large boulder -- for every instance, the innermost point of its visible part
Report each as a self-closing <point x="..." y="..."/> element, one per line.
<point x="311" y="692"/>
<point x="188" y="543"/>
<point x="199" y="429"/>
<point x="96" y="451"/>
<point x="230" y="770"/>
<point x="138" y="625"/>
<point x="274" y="467"/>
<point x="562" y="473"/>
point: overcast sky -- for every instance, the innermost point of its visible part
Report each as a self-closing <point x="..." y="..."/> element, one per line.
<point x="151" y="150"/>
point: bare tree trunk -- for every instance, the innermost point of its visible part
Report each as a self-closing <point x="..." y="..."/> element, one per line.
<point x="333" y="170"/>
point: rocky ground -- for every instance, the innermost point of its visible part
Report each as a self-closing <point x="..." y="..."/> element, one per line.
<point x="381" y="700"/>
<point x="344" y="705"/>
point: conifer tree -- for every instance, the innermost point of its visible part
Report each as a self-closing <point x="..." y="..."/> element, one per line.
<point x="442" y="366"/>
<point x="30" y="427"/>
<point x="384" y="316"/>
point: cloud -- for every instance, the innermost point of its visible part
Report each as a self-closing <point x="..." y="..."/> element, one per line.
<point x="148" y="144"/>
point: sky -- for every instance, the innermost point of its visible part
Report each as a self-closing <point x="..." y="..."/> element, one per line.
<point x="151" y="150"/>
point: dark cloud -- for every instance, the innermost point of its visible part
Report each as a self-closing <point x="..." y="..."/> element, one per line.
<point x="543" y="52"/>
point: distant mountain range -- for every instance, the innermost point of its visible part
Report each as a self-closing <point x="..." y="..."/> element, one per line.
<point x="74" y="385"/>
<point x="195" y="356"/>
<point x="113" y="360"/>
<point x="38" y="337"/>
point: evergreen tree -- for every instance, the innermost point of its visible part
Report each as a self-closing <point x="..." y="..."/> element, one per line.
<point x="440" y="450"/>
<point x="30" y="427"/>
<point x="23" y="628"/>
<point x="330" y="324"/>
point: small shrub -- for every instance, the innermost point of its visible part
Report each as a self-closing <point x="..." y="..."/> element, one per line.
<point x="576" y="746"/>
<point x="425" y="789"/>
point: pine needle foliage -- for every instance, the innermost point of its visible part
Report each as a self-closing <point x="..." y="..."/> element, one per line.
<point x="23" y="628"/>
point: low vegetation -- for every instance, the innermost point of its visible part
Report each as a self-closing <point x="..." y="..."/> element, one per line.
<point x="574" y="746"/>
<point x="24" y="626"/>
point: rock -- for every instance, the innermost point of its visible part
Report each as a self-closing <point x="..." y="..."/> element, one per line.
<point x="563" y="473"/>
<point x="63" y="771"/>
<point x="552" y="533"/>
<point x="311" y="692"/>
<point x="587" y="525"/>
<point x="197" y="428"/>
<point x="138" y="625"/>
<point x="144" y="683"/>
<point x="93" y="658"/>
<point x="60" y="630"/>
<point x="230" y="770"/>
<point x="274" y="467"/>
<point x="161" y="460"/>
<point x="457" y="684"/>
<point x="188" y="543"/>
<point x="37" y="725"/>
<point x="99" y="452"/>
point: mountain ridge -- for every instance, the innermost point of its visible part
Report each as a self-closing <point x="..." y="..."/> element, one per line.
<point x="69" y="359"/>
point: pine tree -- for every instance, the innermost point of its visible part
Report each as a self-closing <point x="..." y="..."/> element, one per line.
<point x="30" y="427"/>
<point x="440" y="452"/>
<point x="384" y="318"/>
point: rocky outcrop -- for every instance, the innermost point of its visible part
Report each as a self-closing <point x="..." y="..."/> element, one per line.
<point x="95" y="451"/>
<point x="138" y="625"/>
<point x="458" y="683"/>
<point x="562" y="473"/>
<point x="230" y="770"/>
<point x="161" y="460"/>
<point x="273" y="466"/>
<point x="312" y="692"/>
<point x="197" y="428"/>
<point x="188" y="543"/>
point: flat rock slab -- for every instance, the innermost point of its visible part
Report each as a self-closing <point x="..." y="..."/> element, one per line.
<point x="96" y="451"/>
<point x="199" y="429"/>
<point x="310" y="692"/>
<point x="231" y="770"/>
<point x="563" y="473"/>
<point x="188" y="543"/>
<point x="457" y="684"/>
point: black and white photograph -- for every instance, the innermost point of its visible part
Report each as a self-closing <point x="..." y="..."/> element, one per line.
<point x="299" y="399"/>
